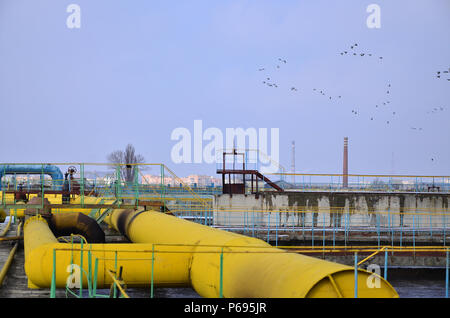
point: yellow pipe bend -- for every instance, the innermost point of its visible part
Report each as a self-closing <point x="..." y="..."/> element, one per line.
<point x="251" y="267"/>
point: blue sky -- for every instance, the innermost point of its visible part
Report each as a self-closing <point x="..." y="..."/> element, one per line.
<point x="136" y="70"/>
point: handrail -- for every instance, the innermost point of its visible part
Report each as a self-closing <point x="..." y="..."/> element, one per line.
<point x="118" y="284"/>
<point x="372" y="255"/>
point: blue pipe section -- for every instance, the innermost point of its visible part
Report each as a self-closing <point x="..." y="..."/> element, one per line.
<point x="53" y="171"/>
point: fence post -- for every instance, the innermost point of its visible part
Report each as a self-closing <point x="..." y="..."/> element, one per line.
<point x="153" y="263"/>
<point x="94" y="285"/>
<point x="385" y="263"/>
<point x="53" y="286"/>
<point x="42" y="186"/>
<point x="276" y="227"/>
<point x="312" y="228"/>
<point x="90" y="271"/>
<point x="136" y="184"/>
<point x="82" y="184"/>
<point x="446" y="275"/>
<point x="356" y="274"/>
<point x="81" y="269"/>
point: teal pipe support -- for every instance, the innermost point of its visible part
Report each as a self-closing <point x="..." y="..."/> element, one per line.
<point x="82" y="184"/>
<point x="81" y="269"/>
<point x="53" y="285"/>
<point x="115" y="273"/>
<point x="385" y="263"/>
<point x="90" y="271"/>
<point x="221" y="275"/>
<point x="94" y="285"/>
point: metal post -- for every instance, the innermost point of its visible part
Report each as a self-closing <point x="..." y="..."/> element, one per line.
<point x="115" y="273"/>
<point x="163" y="191"/>
<point x="323" y="235"/>
<point x="53" y="285"/>
<point x="385" y="263"/>
<point x="334" y="228"/>
<point x="117" y="182"/>
<point x="445" y="227"/>
<point x="268" y="227"/>
<point x="81" y="269"/>
<point x="446" y="275"/>
<point x="414" y="236"/>
<point x="90" y="271"/>
<point x="402" y="217"/>
<point x="431" y="226"/>
<point x="82" y="184"/>
<point x="136" y="185"/>
<point x="94" y="285"/>
<point x="345" y="228"/>
<point x="253" y="225"/>
<point x="356" y="274"/>
<point x="277" y="215"/>
<point x="153" y="263"/>
<point x="3" y="189"/>
<point x="378" y="228"/>
<point x="221" y="275"/>
<point x="389" y="223"/>
<point x="42" y="186"/>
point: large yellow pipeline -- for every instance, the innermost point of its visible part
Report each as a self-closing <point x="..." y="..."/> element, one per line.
<point x="251" y="267"/>
<point x="39" y="243"/>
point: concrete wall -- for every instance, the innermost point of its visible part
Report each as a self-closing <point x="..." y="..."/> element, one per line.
<point x="333" y="209"/>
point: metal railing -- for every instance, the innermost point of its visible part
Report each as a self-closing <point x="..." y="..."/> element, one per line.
<point x="118" y="285"/>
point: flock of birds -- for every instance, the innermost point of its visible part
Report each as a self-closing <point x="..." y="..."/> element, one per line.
<point x="354" y="53"/>
<point x="383" y="106"/>
<point x="267" y="80"/>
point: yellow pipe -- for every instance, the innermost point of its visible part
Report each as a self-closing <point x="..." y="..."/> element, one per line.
<point x="39" y="243"/>
<point x="251" y="267"/>
<point x="10" y="258"/>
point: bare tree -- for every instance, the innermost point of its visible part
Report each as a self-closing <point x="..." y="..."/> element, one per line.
<point x="128" y="160"/>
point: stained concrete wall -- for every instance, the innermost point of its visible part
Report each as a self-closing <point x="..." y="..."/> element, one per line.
<point x="333" y="209"/>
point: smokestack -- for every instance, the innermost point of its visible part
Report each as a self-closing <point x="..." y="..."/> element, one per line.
<point x="345" y="166"/>
<point x="293" y="161"/>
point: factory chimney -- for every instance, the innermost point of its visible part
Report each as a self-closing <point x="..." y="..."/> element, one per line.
<point x="345" y="165"/>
